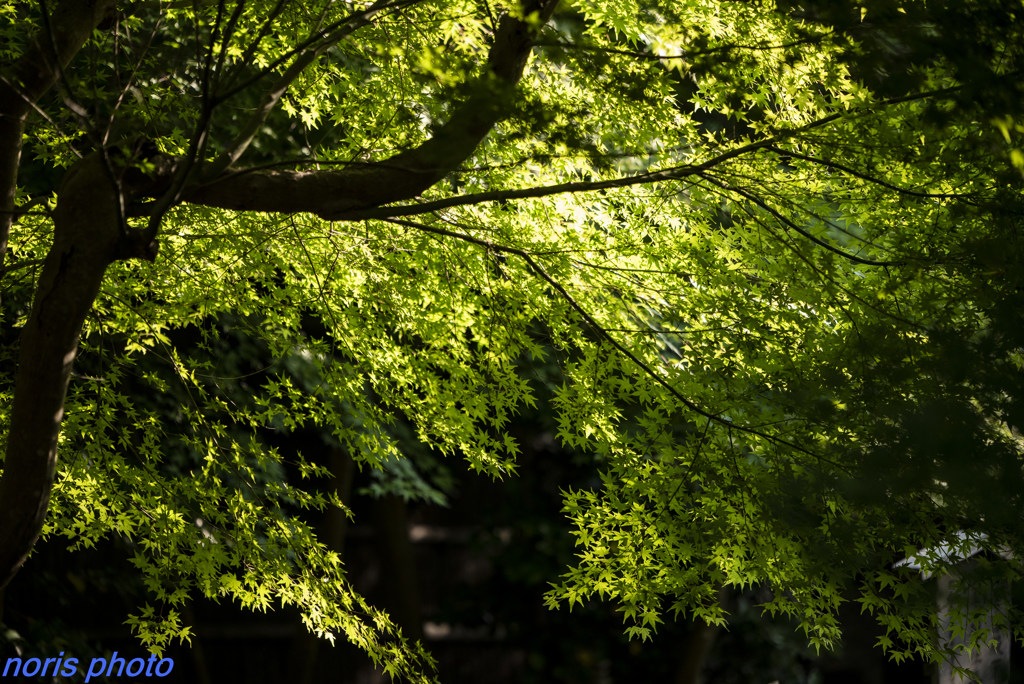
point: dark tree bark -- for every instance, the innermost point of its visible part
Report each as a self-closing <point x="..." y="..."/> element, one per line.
<point x="698" y="645"/>
<point x="331" y="534"/>
<point x="401" y="589"/>
<point x="87" y="234"/>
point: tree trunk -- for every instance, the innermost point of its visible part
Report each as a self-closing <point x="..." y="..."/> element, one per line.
<point x="391" y="520"/>
<point x="332" y="534"/>
<point x="698" y="646"/>
<point x="87" y="234"/>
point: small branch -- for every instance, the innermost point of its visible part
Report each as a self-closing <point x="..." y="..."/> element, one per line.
<point x="204" y="80"/>
<point x="248" y="133"/>
<point x="131" y="77"/>
<point x="38" y="110"/>
<point x="24" y="264"/>
<point x="598" y="328"/>
<point x="26" y="209"/>
<point x="27" y="80"/>
<point x="180" y="176"/>
<point x="785" y="221"/>
<point x="871" y="179"/>
<point x="229" y="32"/>
<point x="686" y="54"/>
<point x="312" y="40"/>
<point x="250" y="51"/>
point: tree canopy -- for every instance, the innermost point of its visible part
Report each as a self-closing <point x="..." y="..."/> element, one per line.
<point x="772" y="251"/>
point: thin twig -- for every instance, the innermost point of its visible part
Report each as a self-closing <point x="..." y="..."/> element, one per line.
<point x="790" y="224"/>
<point x="598" y="328"/>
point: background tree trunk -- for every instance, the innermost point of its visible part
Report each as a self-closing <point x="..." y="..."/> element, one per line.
<point x="698" y="646"/>
<point x="391" y="522"/>
<point x="332" y="534"/>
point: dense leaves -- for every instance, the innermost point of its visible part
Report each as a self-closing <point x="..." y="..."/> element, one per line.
<point x="781" y="290"/>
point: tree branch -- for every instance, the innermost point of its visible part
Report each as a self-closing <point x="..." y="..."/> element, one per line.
<point x="34" y="73"/>
<point x="245" y="137"/>
<point x="789" y="224"/>
<point x="605" y="334"/>
<point x="829" y="164"/>
<point x="405" y="175"/>
<point x="332" y="194"/>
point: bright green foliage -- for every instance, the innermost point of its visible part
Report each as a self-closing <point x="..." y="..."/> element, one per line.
<point x="788" y="323"/>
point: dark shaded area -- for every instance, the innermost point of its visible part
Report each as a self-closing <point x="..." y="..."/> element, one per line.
<point x="468" y="577"/>
<point x="978" y="40"/>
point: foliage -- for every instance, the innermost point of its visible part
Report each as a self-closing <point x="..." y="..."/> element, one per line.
<point x="784" y="301"/>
